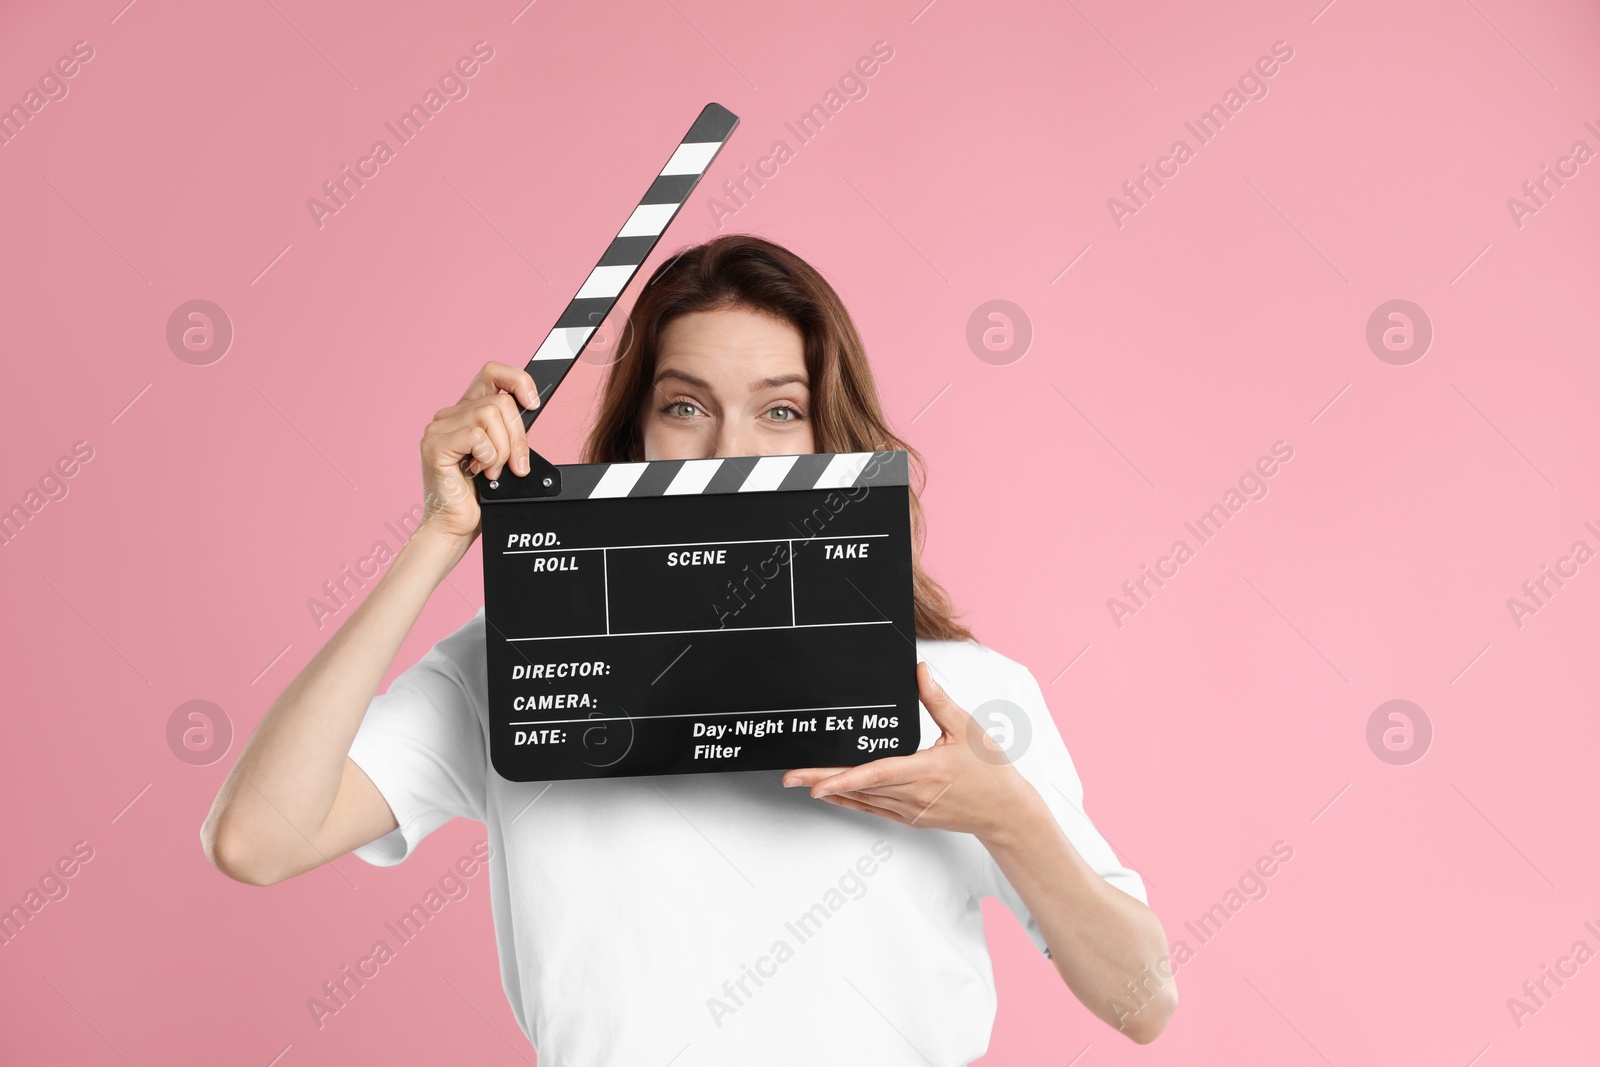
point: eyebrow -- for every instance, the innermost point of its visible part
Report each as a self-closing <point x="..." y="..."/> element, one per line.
<point x="782" y="380"/>
<point x="763" y="383"/>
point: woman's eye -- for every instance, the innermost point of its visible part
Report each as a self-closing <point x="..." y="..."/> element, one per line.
<point x="682" y="409"/>
<point x="784" y="414"/>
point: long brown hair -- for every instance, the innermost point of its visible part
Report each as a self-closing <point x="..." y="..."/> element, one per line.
<point x="741" y="270"/>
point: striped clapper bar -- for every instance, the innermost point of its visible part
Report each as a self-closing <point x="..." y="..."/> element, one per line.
<point x="678" y="617"/>
<point x="628" y="251"/>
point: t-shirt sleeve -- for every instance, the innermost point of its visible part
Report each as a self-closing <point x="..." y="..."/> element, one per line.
<point x="1038" y="752"/>
<point x="422" y="744"/>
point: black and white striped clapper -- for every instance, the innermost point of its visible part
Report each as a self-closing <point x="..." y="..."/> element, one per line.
<point x="692" y="616"/>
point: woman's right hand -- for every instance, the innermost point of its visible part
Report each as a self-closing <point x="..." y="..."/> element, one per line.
<point x="484" y="424"/>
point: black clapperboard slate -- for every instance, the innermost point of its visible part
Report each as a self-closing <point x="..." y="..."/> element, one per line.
<point x="682" y="617"/>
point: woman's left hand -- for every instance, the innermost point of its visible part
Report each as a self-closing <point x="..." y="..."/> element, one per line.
<point x="963" y="782"/>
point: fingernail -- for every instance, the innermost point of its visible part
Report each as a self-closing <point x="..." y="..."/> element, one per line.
<point x="790" y="783"/>
<point x="522" y="465"/>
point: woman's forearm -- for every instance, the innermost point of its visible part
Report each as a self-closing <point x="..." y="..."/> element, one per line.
<point x="269" y="816"/>
<point x="1101" y="939"/>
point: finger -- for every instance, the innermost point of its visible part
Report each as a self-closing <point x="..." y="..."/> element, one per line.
<point x="925" y="806"/>
<point x="487" y="415"/>
<point x="905" y="807"/>
<point x="950" y="717"/>
<point x="809" y="775"/>
<point x="449" y="422"/>
<point x="913" y="802"/>
<point x="856" y="805"/>
<point x="516" y="433"/>
<point x="892" y="770"/>
<point x="495" y="377"/>
<point x="447" y="445"/>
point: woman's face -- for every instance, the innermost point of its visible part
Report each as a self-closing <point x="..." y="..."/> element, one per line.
<point x="730" y="382"/>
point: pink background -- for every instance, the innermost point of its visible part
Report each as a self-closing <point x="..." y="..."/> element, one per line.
<point x="1228" y="313"/>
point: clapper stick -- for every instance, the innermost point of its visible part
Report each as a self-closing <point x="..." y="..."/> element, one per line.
<point x="627" y="252"/>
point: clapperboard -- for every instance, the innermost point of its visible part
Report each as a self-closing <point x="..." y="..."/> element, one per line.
<point x="691" y="616"/>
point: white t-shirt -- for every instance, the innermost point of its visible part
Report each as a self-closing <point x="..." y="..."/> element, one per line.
<point x="720" y="918"/>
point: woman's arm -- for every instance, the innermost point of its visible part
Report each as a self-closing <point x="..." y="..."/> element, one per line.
<point x="1107" y="946"/>
<point x="294" y="799"/>
<point x="1100" y="938"/>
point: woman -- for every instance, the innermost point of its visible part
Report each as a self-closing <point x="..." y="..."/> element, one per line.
<point x="743" y="917"/>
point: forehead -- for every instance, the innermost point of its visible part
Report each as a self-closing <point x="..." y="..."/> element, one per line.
<point x="731" y="343"/>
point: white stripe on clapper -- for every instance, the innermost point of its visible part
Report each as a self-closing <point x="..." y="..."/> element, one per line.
<point x="647" y="220"/>
<point x="843" y="470"/>
<point x="693" y="477"/>
<point x="606" y="281"/>
<point x="691" y="158"/>
<point x="618" y="480"/>
<point x="564" y="342"/>
<point x="767" y="474"/>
